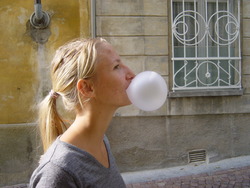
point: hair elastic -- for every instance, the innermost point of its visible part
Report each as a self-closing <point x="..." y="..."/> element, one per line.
<point x="54" y="94"/>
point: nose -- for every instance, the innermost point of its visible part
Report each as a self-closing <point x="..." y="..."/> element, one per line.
<point x="130" y="74"/>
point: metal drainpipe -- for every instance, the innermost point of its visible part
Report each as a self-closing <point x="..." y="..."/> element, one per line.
<point x="38" y="10"/>
<point x="39" y="19"/>
<point x="93" y="18"/>
<point x="39" y="29"/>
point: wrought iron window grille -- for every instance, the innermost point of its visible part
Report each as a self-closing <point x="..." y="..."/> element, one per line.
<point x="206" y="53"/>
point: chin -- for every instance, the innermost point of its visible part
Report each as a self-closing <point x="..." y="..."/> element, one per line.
<point x="127" y="103"/>
<point x="124" y="101"/>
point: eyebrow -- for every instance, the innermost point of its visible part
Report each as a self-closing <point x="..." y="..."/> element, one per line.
<point x="118" y="60"/>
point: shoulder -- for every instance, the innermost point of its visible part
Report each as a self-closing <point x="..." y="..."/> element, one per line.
<point x="57" y="155"/>
<point x="65" y="156"/>
<point x="51" y="175"/>
<point x="55" y="168"/>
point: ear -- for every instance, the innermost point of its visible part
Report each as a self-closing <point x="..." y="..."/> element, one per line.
<point x="85" y="87"/>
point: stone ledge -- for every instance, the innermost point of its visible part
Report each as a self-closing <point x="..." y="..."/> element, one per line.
<point x="17" y="125"/>
<point x="206" y="93"/>
<point x="17" y="186"/>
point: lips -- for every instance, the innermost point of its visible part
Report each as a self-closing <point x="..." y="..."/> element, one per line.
<point x="129" y="83"/>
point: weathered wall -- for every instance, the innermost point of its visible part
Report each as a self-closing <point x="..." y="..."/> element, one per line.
<point x="24" y="77"/>
<point x="19" y="153"/>
<point x="155" y="142"/>
<point x="139" y="31"/>
<point x="245" y="46"/>
<point x="140" y="140"/>
<point x="19" y="53"/>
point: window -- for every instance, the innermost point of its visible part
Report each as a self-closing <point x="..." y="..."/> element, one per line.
<point x="206" y="44"/>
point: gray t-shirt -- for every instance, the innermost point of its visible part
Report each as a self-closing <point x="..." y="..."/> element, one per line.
<point x="66" y="166"/>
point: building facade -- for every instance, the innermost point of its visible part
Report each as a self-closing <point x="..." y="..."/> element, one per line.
<point x="201" y="49"/>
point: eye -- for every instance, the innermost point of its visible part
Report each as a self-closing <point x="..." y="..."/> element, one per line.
<point x="116" y="66"/>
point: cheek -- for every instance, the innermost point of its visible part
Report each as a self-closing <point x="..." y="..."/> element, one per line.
<point x="113" y="86"/>
<point x="106" y="89"/>
<point x="116" y="91"/>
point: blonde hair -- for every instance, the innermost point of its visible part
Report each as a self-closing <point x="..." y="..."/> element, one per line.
<point x="72" y="61"/>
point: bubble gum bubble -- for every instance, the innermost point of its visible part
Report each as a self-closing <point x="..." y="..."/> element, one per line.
<point x="147" y="91"/>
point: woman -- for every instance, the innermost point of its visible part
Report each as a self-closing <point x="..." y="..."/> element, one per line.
<point x="92" y="80"/>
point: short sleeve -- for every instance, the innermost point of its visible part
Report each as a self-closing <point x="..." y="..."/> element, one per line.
<point x="51" y="176"/>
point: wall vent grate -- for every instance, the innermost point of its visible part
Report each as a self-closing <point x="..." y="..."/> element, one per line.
<point x="197" y="156"/>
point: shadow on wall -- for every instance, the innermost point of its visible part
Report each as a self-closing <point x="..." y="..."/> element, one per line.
<point x="20" y="151"/>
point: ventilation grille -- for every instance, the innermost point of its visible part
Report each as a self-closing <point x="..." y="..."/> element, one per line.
<point x="197" y="156"/>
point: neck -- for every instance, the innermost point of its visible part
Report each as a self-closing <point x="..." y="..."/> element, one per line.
<point x="88" y="130"/>
<point x="94" y="124"/>
<point x="89" y="126"/>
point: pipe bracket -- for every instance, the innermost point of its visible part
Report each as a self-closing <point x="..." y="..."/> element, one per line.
<point x="42" y="23"/>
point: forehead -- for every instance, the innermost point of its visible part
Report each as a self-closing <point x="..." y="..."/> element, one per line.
<point x="105" y="48"/>
<point x="106" y="53"/>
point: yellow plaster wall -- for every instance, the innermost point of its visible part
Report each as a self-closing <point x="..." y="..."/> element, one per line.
<point x="19" y="71"/>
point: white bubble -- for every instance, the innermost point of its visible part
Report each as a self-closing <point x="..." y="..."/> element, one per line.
<point x="148" y="91"/>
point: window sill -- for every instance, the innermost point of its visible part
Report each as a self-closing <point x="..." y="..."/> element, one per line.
<point x="206" y="93"/>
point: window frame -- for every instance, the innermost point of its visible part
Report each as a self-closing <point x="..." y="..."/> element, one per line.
<point x="205" y="91"/>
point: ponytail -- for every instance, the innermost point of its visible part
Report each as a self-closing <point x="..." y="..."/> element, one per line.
<point x="50" y="123"/>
